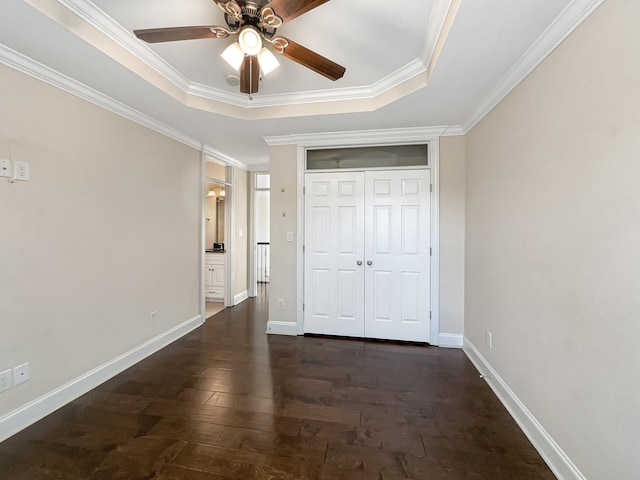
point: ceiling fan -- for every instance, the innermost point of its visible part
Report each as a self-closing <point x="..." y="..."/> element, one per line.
<point x="255" y="23"/>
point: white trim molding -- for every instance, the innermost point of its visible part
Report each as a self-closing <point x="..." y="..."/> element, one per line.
<point x="282" y="328"/>
<point x="558" y="461"/>
<point x="28" y="414"/>
<point x="240" y="297"/>
<point x="451" y="340"/>
<point x="571" y="17"/>
<point x="41" y="72"/>
<point x="386" y="136"/>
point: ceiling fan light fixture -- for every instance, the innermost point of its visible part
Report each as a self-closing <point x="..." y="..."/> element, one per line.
<point x="250" y="40"/>
<point x="233" y="55"/>
<point x="268" y="61"/>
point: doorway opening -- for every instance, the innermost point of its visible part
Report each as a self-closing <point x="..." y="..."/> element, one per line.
<point x="262" y="247"/>
<point x="216" y="237"/>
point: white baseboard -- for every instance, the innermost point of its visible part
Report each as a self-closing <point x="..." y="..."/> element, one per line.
<point x="282" y="328"/>
<point x="28" y="414"/>
<point x="559" y="463"/>
<point x="450" y="340"/>
<point x="241" y="297"/>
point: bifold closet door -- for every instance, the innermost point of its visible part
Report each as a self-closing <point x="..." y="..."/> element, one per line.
<point x="367" y="262"/>
<point x="334" y="252"/>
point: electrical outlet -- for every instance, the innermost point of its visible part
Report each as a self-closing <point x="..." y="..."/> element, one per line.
<point x="5" y="168"/>
<point x="489" y="339"/>
<point x="21" y="171"/>
<point x="152" y="318"/>
<point x="281" y="304"/>
<point x="21" y="374"/>
<point x="5" y="380"/>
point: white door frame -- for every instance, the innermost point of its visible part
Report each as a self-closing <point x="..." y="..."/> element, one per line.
<point x="253" y="281"/>
<point x="368" y="139"/>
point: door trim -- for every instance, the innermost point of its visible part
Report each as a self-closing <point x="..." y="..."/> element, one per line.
<point x="434" y="166"/>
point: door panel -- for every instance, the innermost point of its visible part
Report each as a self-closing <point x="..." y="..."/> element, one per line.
<point x="397" y="283"/>
<point x="382" y="229"/>
<point x="410" y="297"/>
<point x="409" y="230"/>
<point x="321" y="291"/>
<point x="382" y="290"/>
<point x="334" y="244"/>
<point x="347" y="224"/>
<point x="347" y="297"/>
<point x="320" y="230"/>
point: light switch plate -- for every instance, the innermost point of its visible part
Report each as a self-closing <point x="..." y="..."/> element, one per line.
<point x="21" y="171"/>
<point x="5" y="380"/>
<point x="5" y="168"/>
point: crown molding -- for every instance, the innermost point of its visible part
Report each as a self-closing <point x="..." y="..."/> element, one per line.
<point x="350" y="99"/>
<point x="97" y="18"/>
<point x="436" y="25"/>
<point x="397" y="78"/>
<point x="224" y="158"/>
<point x="28" y="66"/>
<point x="365" y="137"/>
<point x="571" y="17"/>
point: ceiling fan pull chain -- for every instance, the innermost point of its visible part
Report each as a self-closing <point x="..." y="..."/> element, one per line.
<point x="250" y="80"/>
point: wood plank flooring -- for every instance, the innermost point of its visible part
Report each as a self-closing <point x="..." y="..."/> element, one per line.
<point x="229" y="402"/>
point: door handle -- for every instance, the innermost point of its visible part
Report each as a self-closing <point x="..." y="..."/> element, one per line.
<point x="359" y="262"/>
<point x="369" y="262"/>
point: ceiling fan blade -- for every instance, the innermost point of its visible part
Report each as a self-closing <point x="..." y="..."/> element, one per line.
<point x="289" y="9"/>
<point x="172" y="34"/>
<point x="249" y="75"/>
<point x="309" y="58"/>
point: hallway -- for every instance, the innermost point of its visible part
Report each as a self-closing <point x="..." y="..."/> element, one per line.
<point x="229" y="402"/>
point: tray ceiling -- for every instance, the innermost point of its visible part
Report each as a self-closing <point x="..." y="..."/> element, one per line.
<point x="416" y="63"/>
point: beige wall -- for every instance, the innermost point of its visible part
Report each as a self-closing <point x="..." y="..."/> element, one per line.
<point x="241" y="235"/>
<point x="106" y="231"/>
<point x="452" y="206"/>
<point x="215" y="170"/>
<point x="283" y="281"/>
<point x="553" y="228"/>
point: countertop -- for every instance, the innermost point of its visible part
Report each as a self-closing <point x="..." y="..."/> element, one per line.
<point x="215" y="251"/>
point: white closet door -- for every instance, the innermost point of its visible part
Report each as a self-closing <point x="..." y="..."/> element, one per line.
<point x="334" y="247"/>
<point x="367" y="261"/>
<point x="398" y="237"/>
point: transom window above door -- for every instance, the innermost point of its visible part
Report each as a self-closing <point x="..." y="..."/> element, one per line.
<point x="368" y="157"/>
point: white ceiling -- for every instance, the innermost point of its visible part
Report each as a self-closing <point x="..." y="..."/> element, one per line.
<point x="490" y="45"/>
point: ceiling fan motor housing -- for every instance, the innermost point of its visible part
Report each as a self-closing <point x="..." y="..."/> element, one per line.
<point x="250" y="13"/>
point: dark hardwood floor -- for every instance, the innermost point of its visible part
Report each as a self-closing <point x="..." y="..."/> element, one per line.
<point x="229" y="402"/>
